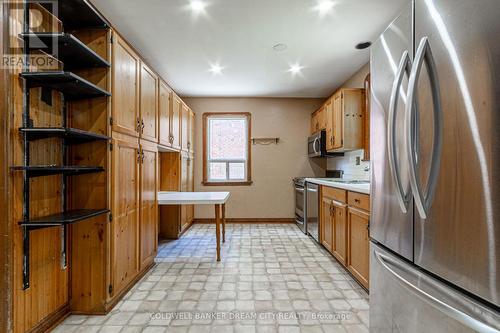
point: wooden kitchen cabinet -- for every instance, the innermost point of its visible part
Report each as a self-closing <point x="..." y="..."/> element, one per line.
<point x="148" y="218"/>
<point x="125" y="88"/>
<point x="318" y="120"/>
<point x="327" y="223"/>
<point x="329" y="124"/>
<point x="339" y="248"/>
<point x="175" y="121"/>
<point x="125" y="212"/>
<point x="164" y="114"/>
<point x="191" y="132"/>
<point x="359" y="245"/>
<point x="148" y="104"/>
<point x="185" y="127"/>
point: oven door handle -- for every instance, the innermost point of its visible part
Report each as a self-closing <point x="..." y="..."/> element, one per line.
<point x="299" y="189"/>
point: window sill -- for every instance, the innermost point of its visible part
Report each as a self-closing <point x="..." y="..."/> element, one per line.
<point x="246" y="183"/>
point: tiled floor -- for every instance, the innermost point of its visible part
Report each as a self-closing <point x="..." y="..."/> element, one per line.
<point x="272" y="278"/>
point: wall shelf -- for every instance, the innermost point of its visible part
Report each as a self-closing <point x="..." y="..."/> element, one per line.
<point x="68" y="83"/>
<point x="61" y="219"/>
<point x="76" y="14"/>
<point x="70" y="50"/>
<point x="48" y="170"/>
<point x="72" y="135"/>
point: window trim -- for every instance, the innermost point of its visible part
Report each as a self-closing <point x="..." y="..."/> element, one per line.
<point x="248" y="180"/>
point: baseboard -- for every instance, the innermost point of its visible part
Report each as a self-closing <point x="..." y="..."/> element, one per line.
<point x="248" y="220"/>
<point x="55" y="318"/>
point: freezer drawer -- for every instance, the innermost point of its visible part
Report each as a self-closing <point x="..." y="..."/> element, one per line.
<point x="406" y="300"/>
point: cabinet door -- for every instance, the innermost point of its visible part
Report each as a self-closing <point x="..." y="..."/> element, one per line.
<point x="314" y="122"/>
<point x="149" y="104"/>
<point x="358" y="245"/>
<point x="338" y="118"/>
<point x="321" y="119"/>
<point x="125" y="210"/>
<point x="326" y="224"/>
<point x="329" y="125"/>
<point x="148" y="208"/>
<point x="164" y="114"/>
<point x="339" y="232"/>
<point x="184" y="172"/>
<point x="191" y="132"/>
<point x="175" y="120"/>
<point x="185" y="128"/>
<point x="125" y="88"/>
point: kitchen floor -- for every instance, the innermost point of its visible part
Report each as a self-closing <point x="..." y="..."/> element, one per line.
<point x="272" y="278"/>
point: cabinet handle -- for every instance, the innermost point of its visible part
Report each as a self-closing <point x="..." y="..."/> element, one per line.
<point x="357" y="201"/>
<point x="138" y="156"/>
<point x="142" y="156"/>
<point x="142" y="126"/>
<point x="138" y="126"/>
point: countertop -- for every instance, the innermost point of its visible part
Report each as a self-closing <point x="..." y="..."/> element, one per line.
<point x="360" y="188"/>
<point x="192" y="198"/>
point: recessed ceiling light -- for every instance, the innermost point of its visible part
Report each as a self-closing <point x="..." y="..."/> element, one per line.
<point x="295" y="68"/>
<point x="197" y="5"/>
<point x="215" y="69"/>
<point x="363" y="45"/>
<point x="324" y="6"/>
<point x="280" y="47"/>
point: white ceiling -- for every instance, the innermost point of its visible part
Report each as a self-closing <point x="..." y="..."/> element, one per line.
<point x="240" y="34"/>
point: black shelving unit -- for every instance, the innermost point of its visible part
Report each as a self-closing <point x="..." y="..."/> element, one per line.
<point x="71" y="85"/>
<point x="72" y="135"/>
<point x="66" y="48"/>
<point x="61" y="219"/>
<point x="74" y="14"/>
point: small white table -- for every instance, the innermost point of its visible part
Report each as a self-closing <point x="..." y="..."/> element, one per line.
<point x="218" y="199"/>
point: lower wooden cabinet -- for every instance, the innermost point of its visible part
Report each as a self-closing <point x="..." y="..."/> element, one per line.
<point x="339" y="248"/>
<point x="358" y="255"/>
<point x="124" y="212"/>
<point x="344" y="226"/>
<point x="148" y="218"/>
<point x="134" y="210"/>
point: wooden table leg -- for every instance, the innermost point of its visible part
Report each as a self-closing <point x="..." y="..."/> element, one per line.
<point x="223" y="223"/>
<point x="217" y="229"/>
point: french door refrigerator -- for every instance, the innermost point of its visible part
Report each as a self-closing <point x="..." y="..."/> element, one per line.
<point x="435" y="149"/>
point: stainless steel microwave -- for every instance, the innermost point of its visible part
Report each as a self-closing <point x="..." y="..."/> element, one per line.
<point x="316" y="145"/>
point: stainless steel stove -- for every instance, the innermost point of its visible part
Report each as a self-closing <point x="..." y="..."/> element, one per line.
<point x="300" y="203"/>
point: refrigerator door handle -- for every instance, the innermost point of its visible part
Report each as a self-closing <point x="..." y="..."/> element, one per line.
<point x="423" y="200"/>
<point x="404" y="67"/>
<point x="416" y="282"/>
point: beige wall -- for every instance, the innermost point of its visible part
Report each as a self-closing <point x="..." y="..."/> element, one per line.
<point x="273" y="166"/>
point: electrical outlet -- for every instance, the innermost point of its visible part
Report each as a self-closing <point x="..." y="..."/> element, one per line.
<point x="358" y="160"/>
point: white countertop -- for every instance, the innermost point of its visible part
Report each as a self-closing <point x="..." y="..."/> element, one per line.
<point x="192" y="198"/>
<point x="361" y="188"/>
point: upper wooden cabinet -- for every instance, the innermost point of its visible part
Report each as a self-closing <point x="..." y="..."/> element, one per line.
<point x="191" y="132"/>
<point x="164" y="114"/>
<point x="342" y="116"/>
<point x="318" y="120"/>
<point x="185" y="127"/>
<point x="125" y="88"/>
<point x="175" y="120"/>
<point x="148" y="104"/>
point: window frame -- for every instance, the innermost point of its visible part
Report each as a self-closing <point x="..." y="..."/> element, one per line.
<point x="248" y="179"/>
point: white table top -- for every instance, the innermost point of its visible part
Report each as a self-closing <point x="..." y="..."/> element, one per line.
<point x="361" y="188"/>
<point x="192" y="198"/>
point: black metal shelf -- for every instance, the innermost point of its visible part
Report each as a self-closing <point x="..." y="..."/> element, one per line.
<point x="76" y="14"/>
<point x="63" y="218"/>
<point x="47" y="170"/>
<point x="70" y="50"/>
<point x="72" y="135"/>
<point x="68" y="83"/>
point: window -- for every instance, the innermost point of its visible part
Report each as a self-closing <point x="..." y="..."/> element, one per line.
<point x="226" y="149"/>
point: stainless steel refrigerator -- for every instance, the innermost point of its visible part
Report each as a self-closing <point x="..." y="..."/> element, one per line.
<point x="435" y="149"/>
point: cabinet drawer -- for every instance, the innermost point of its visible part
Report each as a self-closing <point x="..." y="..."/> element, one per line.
<point x="359" y="200"/>
<point x="335" y="194"/>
